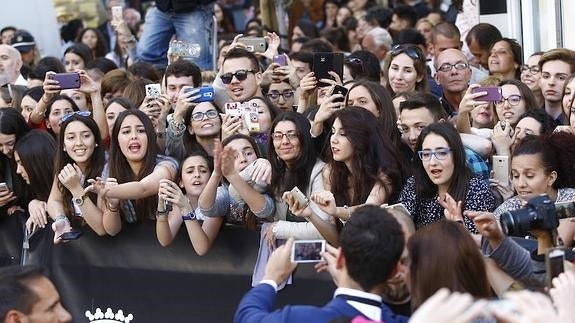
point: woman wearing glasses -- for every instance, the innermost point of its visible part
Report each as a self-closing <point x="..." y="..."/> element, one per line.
<point x="192" y="127"/>
<point x="282" y="94"/>
<point x="80" y="156"/>
<point x="405" y="69"/>
<point x="535" y="122"/>
<point x="530" y="75"/>
<point x="443" y="185"/>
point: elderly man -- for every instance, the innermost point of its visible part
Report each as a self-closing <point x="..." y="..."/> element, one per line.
<point x="10" y="64"/>
<point x="453" y="74"/>
<point x="378" y="41"/>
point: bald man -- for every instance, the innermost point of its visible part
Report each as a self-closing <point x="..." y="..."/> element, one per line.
<point x="10" y="64"/>
<point x="453" y="74"/>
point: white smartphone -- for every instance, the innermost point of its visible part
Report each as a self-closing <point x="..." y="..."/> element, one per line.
<point x="153" y="90"/>
<point x="300" y="197"/>
<point x="501" y="168"/>
<point x="117" y="13"/>
<point x="306" y="251"/>
<point x="399" y="207"/>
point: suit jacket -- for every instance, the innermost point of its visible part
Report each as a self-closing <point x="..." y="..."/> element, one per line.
<point x="257" y="306"/>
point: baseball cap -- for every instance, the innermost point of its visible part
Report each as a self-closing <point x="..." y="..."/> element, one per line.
<point x="23" y="41"/>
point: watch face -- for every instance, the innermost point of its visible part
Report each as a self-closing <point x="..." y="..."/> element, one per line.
<point x="78" y="201"/>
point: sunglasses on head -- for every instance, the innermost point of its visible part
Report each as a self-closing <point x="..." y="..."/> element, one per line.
<point x="79" y="113"/>
<point x="412" y="51"/>
<point x="355" y="61"/>
<point x="239" y="74"/>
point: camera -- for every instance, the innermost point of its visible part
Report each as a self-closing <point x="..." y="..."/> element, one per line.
<point x="539" y="213"/>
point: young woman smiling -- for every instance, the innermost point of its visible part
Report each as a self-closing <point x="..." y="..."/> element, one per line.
<point x="405" y="69"/>
<point x="80" y="156"/>
<point x="443" y="183"/>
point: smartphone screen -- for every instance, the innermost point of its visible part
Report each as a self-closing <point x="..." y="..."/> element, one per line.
<point x="307" y="251"/>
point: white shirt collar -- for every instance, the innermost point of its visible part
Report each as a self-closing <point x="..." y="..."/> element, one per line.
<point x="370" y="311"/>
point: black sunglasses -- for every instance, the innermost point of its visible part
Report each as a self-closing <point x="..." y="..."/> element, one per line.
<point x="239" y="74"/>
<point x="355" y="61"/>
<point x="412" y="51"/>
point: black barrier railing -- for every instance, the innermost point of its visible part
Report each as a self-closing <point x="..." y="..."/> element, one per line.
<point x="134" y="274"/>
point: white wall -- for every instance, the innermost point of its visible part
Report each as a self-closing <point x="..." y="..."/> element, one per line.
<point x="36" y="16"/>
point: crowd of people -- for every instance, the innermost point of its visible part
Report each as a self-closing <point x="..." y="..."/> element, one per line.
<point x="391" y="161"/>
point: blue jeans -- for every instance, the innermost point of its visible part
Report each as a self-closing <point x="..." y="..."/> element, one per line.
<point x="195" y="27"/>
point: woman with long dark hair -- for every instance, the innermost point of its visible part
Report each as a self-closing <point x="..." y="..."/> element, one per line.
<point x="80" y="156"/>
<point x="30" y="154"/>
<point x="442" y="181"/>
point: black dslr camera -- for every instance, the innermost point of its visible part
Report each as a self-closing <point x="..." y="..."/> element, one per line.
<point x="539" y="213"/>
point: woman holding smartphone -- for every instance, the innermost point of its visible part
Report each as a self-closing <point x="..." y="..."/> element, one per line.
<point x="30" y="154"/>
<point x="137" y="168"/>
<point x="443" y="185"/>
<point x="202" y="231"/>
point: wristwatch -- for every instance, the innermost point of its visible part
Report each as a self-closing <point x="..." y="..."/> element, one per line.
<point x="190" y="216"/>
<point x="79" y="201"/>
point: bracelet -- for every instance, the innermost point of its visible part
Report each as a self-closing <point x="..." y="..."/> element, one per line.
<point x="190" y="216"/>
<point x="111" y="209"/>
<point x="62" y="217"/>
<point x="345" y="207"/>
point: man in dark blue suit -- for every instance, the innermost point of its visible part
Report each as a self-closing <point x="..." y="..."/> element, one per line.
<point x="371" y="244"/>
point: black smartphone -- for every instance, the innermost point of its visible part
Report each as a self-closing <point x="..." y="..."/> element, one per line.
<point x="338" y="89"/>
<point x="554" y="263"/>
<point x="72" y="235"/>
<point x="326" y="62"/>
<point x="67" y="80"/>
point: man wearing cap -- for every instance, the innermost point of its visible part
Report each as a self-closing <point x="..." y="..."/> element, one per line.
<point x="24" y="42"/>
<point x="10" y="64"/>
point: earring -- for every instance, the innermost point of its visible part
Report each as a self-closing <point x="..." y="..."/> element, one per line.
<point x="64" y="149"/>
<point x="96" y="145"/>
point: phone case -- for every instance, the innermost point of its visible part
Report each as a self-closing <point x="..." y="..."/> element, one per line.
<point x="338" y="89"/>
<point x="494" y="94"/>
<point x="67" y="80"/>
<point x="325" y="62"/>
<point x="251" y="118"/>
<point x="554" y="263"/>
<point x="233" y="109"/>
<point x="153" y="90"/>
<point x="72" y="235"/>
<point x="117" y="13"/>
<point x="299" y="196"/>
<point x="501" y="168"/>
<point x="254" y="44"/>
<point x="3" y="187"/>
<point x="280" y="60"/>
<point x="206" y="94"/>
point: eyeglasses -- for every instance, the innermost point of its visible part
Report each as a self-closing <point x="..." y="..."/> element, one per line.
<point x="199" y="116"/>
<point x="239" y="74"/>
<point x="532" y="69"/>
<point x="513" y="100"/>
<point x="287" y="94"/>
<point x="446" y="67"/>
<point x="412" y="51"/>
<point x="439" y="153"/>
<point x="79" y="113"/>
<point x="279" y="136"/>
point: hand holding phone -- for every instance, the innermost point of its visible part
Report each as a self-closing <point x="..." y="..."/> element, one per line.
<point x="341" y="90"/>
<point x="500" y="166"/>
<point x="206" y="94"/>
<point x="494" y="94"/>
<point x="280" y="59"/>
<point x="71" y="235"/>
<point x="67" y="80"/>
<point x="307" y="251"/>
<point x="302" y="200"/>
<point x="153" y="90"/>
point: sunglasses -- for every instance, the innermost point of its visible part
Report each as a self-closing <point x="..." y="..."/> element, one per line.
<point x="412" y="51"/>
<point x="355" y="61"/>
<point x="79" y="113"/>
<point x="239" y="74"/>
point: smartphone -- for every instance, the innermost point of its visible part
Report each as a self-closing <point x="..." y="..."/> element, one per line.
<point x="306" y="251"/>
<point x="554" y="259"/>
<point x="117" y="13"/>
<point x="564" y="210"/>
<point x="3" y="187"/>
<point x="398" y="207"/>
<point x="251" y="117"/>
<point x="153" y="90"/>
<point x="326" y="62"/>
<point x="67" y="80"/>
<point x="206" y="94"/>
<point x="338" y="89"/>
<point x="233" y="109"/>
<point x="494" y="94"/>
<point x="300" y="197"/>
<point x="168" y="206"/>
<point x="72" y="235"/>
<point x="254" y="44"/>
<point x="501" y="168"/>
<point x="280" y="59"/>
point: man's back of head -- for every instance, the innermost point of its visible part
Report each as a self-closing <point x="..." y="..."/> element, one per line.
<point x="27" y="295"/>
<point x="372" y="242"/>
